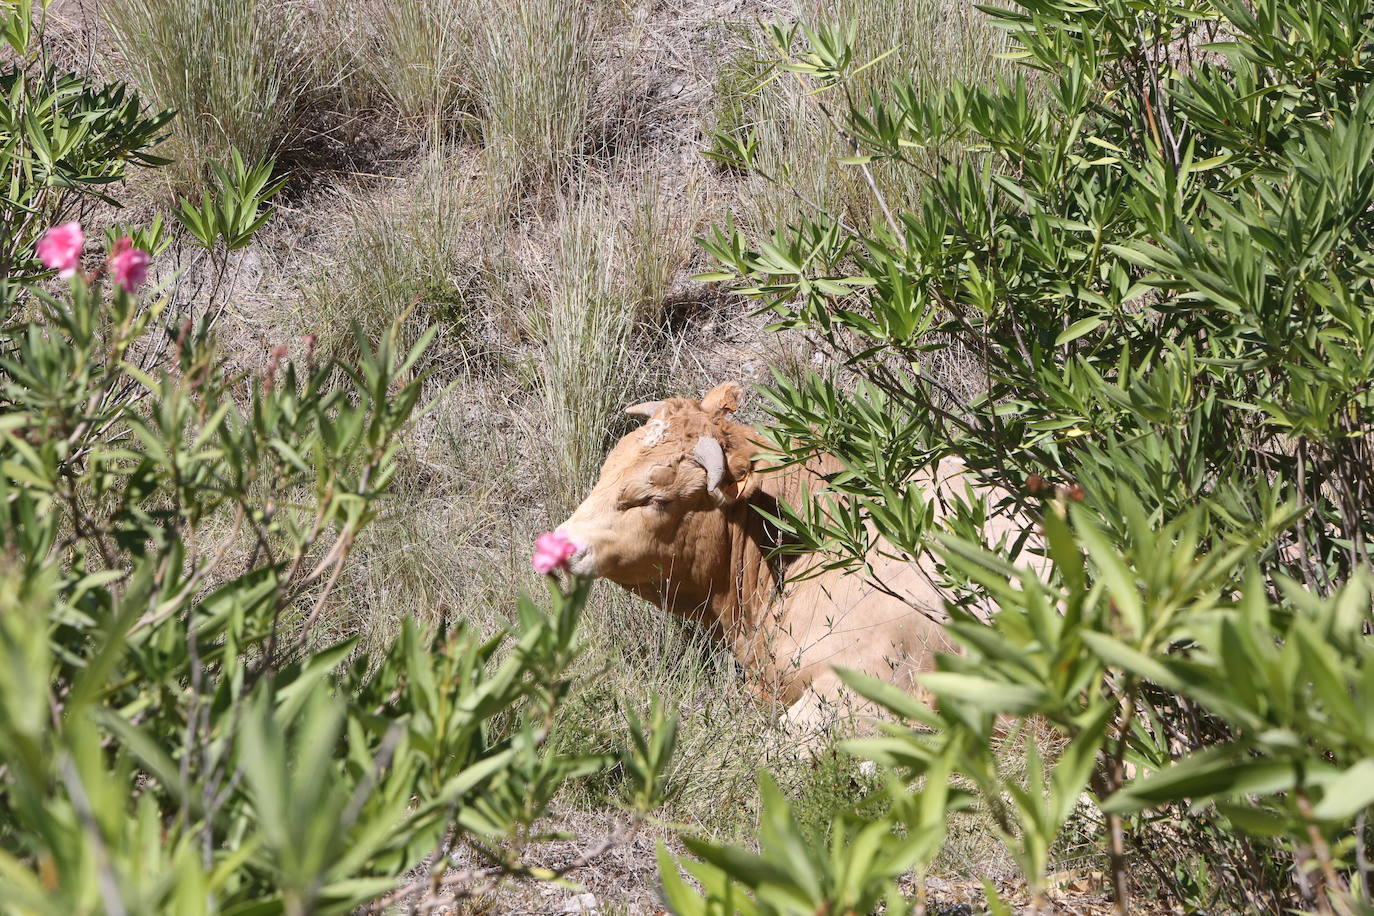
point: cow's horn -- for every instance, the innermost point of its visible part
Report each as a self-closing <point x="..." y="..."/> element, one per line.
<point x="711" y="457"/>
<point x="646" y="409"/>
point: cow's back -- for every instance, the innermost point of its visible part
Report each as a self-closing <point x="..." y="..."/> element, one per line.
<point x="886" y="621"/>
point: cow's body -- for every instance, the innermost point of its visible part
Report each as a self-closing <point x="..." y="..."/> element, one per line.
<point x="673" y="519"/>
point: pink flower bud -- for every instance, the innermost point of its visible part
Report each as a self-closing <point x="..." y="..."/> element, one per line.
<point x="552" y="550"/>
<point x="60" y="248"/>
<point x="129" y="264"/>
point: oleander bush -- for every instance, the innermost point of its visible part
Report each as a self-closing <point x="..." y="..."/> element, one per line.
<point x="62" y="140"/>
<point x="1153" y="243"/>
<point x="176" y="735"/>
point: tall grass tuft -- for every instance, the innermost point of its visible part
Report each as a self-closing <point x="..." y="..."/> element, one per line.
<point x="535" y="89"/>
<point x="421" y="58"/>
<point x="598" y="315"/>
<point x="228" y="67"/>
<point x="402" y="251"/>
<point x="660" y="226"/>
<point x="590" y="357"/>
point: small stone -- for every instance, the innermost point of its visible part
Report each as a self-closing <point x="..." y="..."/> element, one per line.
<point x="582" y="904"/>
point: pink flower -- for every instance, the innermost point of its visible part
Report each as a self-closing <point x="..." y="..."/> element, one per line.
<point x="60" y="248"/>
<point x="552" y="550"/>
<point x="129" y="264"/>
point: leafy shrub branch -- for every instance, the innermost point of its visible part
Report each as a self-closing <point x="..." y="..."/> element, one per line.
<point x="1152" y="244"/>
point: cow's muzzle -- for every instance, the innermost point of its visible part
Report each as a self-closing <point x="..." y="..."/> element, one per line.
<point x="583" y="562"/>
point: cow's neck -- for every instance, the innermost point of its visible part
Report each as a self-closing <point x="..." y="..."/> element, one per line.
<point x="749" y="609"/>
<point x="737" y="585"/>
<point x="734" y="583"/>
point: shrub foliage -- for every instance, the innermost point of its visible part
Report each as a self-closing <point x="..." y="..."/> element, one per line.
<point x="1153" y="243"/>
<point x="61" y="141"/>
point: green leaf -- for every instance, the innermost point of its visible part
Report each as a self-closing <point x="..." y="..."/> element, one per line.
<point x="1078" y="329"/>
<point x="1347" y="794"/>
<point x="1117" y="654"/>
<point x="1075" y="765"/>
<point x="1253" y="819"/>
<point x="1214" y="773"/>
<point x="679" y="896"/>
<point x="984" y="693"/>
<point x="889" y="696"/>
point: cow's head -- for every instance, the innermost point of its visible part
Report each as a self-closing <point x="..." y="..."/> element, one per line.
<point x="659" y="510"/>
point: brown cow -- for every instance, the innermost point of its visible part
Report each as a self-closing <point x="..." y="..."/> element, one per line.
<point x="673" y="520"/>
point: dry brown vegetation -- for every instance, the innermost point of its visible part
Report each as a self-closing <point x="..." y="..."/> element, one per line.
<point x="527" y="175"/>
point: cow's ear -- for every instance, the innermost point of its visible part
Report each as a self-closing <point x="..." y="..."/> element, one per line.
<point x="747" y="482"/>
<point x="645" y="409"/>
<point x="724" y="397"/>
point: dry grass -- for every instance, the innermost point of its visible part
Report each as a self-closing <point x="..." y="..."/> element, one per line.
<point x="586" y="325"/>
<point x="406" y="248"/>
<point x="534" y="117"/>
<point x="596" y="313"/>
<point x="231" y="69"/>
<point x="413" y="60"/>
<point x="422" y="59"/>
<point x="447" y="548"/>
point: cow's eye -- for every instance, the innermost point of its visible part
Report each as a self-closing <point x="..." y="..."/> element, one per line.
<point x="657" y="501"/>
